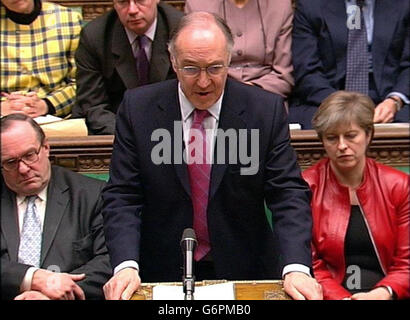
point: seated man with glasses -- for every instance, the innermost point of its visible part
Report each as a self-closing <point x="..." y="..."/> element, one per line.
<point x="52" y="239"/>
<point x="149" y="203"/>
<point x="123" y="49"/>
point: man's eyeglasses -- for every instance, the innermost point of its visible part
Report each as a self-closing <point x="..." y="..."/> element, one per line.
<point x="126" y="3"/>
<point x="194" y="71"/>
<point x="28" y="158"/>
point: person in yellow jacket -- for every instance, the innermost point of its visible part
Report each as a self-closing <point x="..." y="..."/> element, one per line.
<point x="37" y="68"/>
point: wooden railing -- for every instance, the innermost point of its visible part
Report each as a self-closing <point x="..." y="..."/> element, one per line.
<point x="389" y="146"/>
<point x="92" y="154"/>
<point x="94" y="8"/>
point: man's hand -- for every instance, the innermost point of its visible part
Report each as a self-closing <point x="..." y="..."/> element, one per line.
<point x="31" y="295"/>
<point x="300" y="286"/>
<point x="385" y="111"/>
<point x="58" y="286"/>
<point x="380" y="293"/>
<point x="122" y="285"/>
<point x="29" y="104"/>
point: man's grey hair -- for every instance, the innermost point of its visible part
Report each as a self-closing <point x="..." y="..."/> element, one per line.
<point x="203" y="20"/>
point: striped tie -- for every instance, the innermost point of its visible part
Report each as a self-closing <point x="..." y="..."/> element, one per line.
<point x="199" y="177"/>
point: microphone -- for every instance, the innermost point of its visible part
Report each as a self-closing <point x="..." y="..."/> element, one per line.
<point x="188" y="244"/>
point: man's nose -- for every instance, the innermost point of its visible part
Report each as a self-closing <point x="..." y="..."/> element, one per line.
<point x="133" y="7"/>
<point x="203" y="78"/>
<point x="22" y="167"/>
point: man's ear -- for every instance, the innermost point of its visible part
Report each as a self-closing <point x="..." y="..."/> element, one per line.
<point x="174" y="64"/>
<point x="46" y="146"/>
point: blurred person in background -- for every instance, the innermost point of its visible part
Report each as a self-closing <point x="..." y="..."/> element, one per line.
<point x="37" y="68"/>
<point x="262" y="31"/>
<point x="122" y="49"/>
<point x="353" y="45"/>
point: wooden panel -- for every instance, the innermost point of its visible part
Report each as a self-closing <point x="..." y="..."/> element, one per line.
<point x="390" y="146"/>
<point x="94" y="8"/>
<point x="82" y="154"/>
<point x="92" y="154"/>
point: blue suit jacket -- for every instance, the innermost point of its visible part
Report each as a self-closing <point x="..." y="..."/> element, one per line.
<point x="147" y="206"/>
<point x="319" y="49"/>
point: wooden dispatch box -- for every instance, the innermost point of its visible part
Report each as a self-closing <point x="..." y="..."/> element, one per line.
<point x="244" y="290"/>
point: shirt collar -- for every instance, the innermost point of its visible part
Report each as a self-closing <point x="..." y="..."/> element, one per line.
<point x="42" y="195"/>
<point x="187" y="108"/>
<point x="150" y="34"/>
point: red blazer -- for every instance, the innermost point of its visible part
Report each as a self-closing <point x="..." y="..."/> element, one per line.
<point x="384" y="200"/>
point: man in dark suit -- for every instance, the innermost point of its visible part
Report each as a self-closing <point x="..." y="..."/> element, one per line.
<point x="319" y="50"/>
<point x="153" y="194"/>
<point x="69" y="260"/>
<point x="107" y="54"/>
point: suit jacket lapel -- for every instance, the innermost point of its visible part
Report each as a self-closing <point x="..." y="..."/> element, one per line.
<point x="382" y="34"/>
<point x="160" y="63"/>
<point x="334" y="13"/>
<point x="169" y="113"/>
<point x="230" y="118"/>
<point x="57" y="200"/>
<point x="124" y="60"/>
<point x="9" y="221"/>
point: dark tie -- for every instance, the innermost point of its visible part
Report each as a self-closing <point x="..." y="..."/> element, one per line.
<point x="199" y="170"/>
<point x="30" y="236"/>
<point x="357" y="69"/>
<point x="142" y="60"/>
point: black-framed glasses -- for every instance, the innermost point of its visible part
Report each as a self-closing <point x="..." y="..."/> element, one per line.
<point x="28" y="159"/>
<point x="126" y="3"/>
<point x="194" y="71"/>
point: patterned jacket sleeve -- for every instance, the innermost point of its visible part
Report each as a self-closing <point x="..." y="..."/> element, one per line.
<point x="63" y="96"/>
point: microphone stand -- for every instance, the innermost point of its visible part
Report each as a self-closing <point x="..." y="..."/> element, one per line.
<point x="188" y="244"/>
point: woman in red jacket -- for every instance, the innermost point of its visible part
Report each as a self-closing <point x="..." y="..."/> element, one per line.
<point x="360" y="208"/>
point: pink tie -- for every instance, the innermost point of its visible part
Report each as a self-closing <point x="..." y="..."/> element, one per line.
<point x="199" y="176"/>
